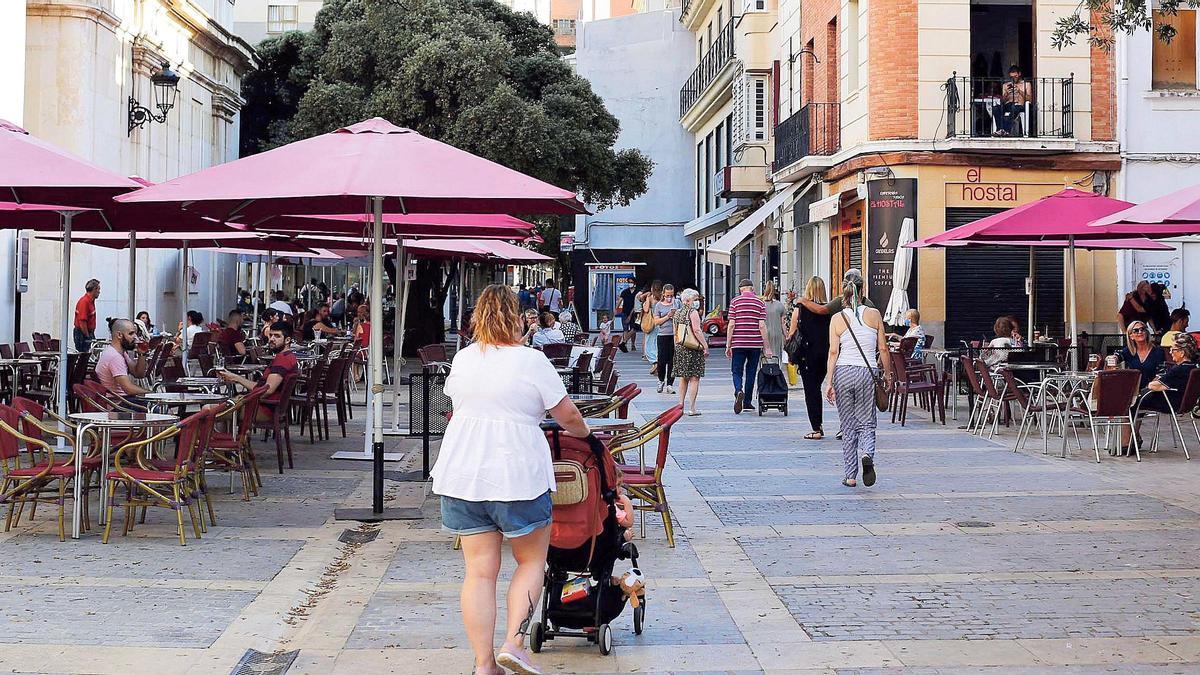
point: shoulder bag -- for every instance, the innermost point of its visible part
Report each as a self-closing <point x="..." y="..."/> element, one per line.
<point x="685" y="337"/>
<point x="647" y="314"/>
<point x="882" y="396"/>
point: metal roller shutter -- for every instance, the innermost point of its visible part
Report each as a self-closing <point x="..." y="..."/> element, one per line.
<point x="855" y="244"/>
<point x="985" y="283"/>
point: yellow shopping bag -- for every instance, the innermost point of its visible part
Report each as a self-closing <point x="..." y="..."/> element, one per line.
<point x="792" y="374"/>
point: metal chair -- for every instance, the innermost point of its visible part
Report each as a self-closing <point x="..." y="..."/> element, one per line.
<point x="1187" y="405"/>
<point x="1109" y="404"/>
<point x="647" y="489"/>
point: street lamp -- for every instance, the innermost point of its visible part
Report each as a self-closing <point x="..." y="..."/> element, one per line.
<point x="165" y="84"/>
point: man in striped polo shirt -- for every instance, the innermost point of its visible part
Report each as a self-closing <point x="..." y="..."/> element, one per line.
<point x="746" y="341"/>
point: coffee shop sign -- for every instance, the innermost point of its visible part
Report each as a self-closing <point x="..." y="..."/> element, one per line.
<point x="975" y="190"/>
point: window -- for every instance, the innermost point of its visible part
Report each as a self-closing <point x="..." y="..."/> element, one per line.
<point x="852" y="56"/>
<point x="1174" y="62"/>
<point x="699" y="179"/>
<point x="708" y="173"/>
<point x="720" y="155"/>
<point x="282" y="18"/>
<point x="758" y="109"/>
<point x="755" y="5"/>
<point x="564" y="26"/>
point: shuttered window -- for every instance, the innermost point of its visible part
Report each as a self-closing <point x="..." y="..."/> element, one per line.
<point x="987" y="282"/>
<point x="759" y="110"/>
<point x="1174" y="62"/>
<point x="854" y="256"/>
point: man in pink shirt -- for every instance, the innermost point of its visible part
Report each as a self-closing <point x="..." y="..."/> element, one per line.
<point x="121" y="359"/>
<point x="746" y="341"/>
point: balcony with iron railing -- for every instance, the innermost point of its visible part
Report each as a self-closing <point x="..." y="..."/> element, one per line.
<point x="985" y="107"/>
<point x="814" y="130"/>
<point x="719" y="55"/>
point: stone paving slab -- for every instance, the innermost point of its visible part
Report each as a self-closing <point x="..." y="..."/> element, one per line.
<point x="828" y="458"/>
<point x="933" y="554"/>
<point x="141" y="557"/>
<point x="940" y="510"/>
<point x="275" y="513"/>
<point x="997" y="610"/>
<point x="1124" y="669"/>
<point x="931" y="482"/>
<point x="128" y="617"/>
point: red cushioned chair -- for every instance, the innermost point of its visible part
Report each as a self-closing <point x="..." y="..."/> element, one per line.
<point x="37" y="479"/>
<point x="233" y="452"/>
<point x="646" y="487"/>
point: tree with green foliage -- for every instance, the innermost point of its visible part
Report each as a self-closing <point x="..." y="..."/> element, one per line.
<point x="471" y="73"/>
<point x="1108" y="19"/>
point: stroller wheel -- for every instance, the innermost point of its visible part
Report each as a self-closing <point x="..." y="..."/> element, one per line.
<point x="604" y="639"/>
<point x="639" y="615"/>
<point x="537" y="635"/>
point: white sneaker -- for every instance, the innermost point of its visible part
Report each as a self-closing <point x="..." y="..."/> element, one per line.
<point x="660" y="387"/>
<point x="670" y="389"/>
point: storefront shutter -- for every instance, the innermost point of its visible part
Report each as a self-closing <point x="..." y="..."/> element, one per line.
<point x="986" y="282"/>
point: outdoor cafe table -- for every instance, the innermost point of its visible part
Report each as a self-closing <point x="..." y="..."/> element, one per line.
<point x="595" y="424"/>
<point x="181" y="399"/>
<point x="1063" y="384"/>
<point x="947" y="357"/>
<point x="589" y="398"/>
<point x="14" y="368"/>
<point x="104" y="422"/>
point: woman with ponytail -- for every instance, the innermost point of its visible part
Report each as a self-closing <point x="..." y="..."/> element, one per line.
<point x="857" y="344"/>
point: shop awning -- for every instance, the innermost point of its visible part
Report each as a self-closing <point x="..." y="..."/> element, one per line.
<point x="713" y="218"/>
<point x="721" y="250"/>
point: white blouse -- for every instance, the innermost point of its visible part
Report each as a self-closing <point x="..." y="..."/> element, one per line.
<point x="494" y="448"/>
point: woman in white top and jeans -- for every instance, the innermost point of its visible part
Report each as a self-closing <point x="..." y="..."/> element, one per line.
<point x="851" y="383"/>
<point x="495" y="473"/>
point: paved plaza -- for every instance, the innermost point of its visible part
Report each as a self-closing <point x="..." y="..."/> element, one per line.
<point x="964" y="558"/>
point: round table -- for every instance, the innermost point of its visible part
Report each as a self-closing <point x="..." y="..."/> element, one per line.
<point x="596" y="424"/>
<point x="105" y="422"/>
<point x="181" y="399"/>
<point x="589" y="398"/>
<point x="14" y="368"/>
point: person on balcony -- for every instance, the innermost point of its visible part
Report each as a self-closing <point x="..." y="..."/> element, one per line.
<point x="1015" y="96"/>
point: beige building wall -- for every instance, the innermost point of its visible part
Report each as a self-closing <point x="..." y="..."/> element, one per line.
<point x="854" y="82"/>
<point x="84" y="60"/>
<point x="944" y="47"/>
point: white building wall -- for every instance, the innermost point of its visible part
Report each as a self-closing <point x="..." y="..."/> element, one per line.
<point x="12" y="108"/>
<point x="636" y="64"/>
<point x="80" y="70"/>
<point x="1160" y="143"/>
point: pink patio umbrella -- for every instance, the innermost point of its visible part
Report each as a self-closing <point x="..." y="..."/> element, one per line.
<point x="1061" y="216"/>
<point x="370" y="167"/>
<point x="1172" y="215"/>
<point x="34" y="171"/>
<point x="423" y="225"/>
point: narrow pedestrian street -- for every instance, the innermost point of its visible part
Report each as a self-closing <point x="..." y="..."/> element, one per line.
<point x="964" y="557"/>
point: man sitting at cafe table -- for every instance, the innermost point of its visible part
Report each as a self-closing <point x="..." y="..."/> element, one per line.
<point x="231" y="338"/>
<point x="321" y="323"/>
<point x="121" y="361"/>
<point x="284" y="364"/>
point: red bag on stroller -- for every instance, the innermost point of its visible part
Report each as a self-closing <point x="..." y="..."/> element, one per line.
<point x="578" y="464"/>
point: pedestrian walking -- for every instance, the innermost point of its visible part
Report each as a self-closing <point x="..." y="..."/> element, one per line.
<point x="84" y="326"/>
<point x="776" y="311"/>
<point x="501" y="392"/>
<point x="746" y="342"/>
<point x="628" y="300"/>
<point x="551" y="299"/>
<point x="663" y="314"/>
<point x="646" y="300"/>
<point x="856" y="343"/>
<point x="690" y="354"/>
<point x="811" y="357"/>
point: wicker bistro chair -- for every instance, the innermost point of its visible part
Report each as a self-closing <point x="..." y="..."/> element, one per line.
<point x="39" y="479"/>
<point x="146" y="486"/>
<point x="1187" y="404"/>
<point x="644" y="483"/>
<point x="233" y="451"/>
<point x="618" y="403"/>
<point x="1108" y="404"/>
<point x="279" y="421"/>
<point x="43" y="424"/>
<point x="920" y="381"/>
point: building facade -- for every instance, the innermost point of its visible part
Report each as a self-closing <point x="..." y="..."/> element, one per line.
<point x="77" y="65"/>
<point x="630" y="62"/>
<point x="1158" y="105"/>
<point x="727" y="105"/>
<point x="892" y="111"/>
<point x="256" y="20"/>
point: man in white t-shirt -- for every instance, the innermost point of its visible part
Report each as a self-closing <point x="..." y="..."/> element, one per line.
<point x="551" y="299"/>
<point x="281" y="304"/>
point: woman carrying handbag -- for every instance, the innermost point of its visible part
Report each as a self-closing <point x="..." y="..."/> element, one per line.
<point x="856" y="343"/>
<point x="691" y="350"/>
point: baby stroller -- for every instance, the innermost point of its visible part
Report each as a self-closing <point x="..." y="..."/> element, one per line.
<point x="772" y="388"/>
<point x="580" y="597"/>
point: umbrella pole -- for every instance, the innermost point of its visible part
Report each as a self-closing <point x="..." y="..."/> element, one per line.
<point x="133" y="275"/>
<point x="462" y="265"/>
<point x="67" y="323"/>
<point x="1032" y="291"/>
<point x="183" y="291"/>
<point x="254" y="281"/>
<point x="1071" y="292"/>
<point x="398" y="321"/>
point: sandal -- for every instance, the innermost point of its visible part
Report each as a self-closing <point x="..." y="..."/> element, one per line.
<point x="815" y="435"/>
<point x="849" y="482"/>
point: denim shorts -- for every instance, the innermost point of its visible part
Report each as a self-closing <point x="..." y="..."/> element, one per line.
<point x="512" y="519"/>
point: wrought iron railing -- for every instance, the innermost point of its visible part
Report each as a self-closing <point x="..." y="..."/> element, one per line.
<point x="986" y="106"/>
<point x="815" y="129"/>
<point x="687" y="4"/>
<point x="714" y="60"/>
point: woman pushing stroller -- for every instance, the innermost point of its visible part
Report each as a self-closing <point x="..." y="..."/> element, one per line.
<point x="495" y="473"/>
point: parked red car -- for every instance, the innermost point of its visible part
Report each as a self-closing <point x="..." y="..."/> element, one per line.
<point x="714" y="323"/>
